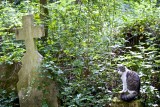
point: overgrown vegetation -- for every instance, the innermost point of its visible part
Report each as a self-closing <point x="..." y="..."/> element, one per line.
<point x="86" y="41"/>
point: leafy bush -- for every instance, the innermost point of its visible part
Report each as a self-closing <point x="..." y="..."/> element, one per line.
<point x="85" y="43"/>
<point x="141" y="53"/>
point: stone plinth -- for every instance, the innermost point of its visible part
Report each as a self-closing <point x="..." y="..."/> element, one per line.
<point x="119" y="103"/>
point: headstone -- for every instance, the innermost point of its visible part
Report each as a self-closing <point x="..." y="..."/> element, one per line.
<point x="8" y="82"/>
<point x="29" y="80"/>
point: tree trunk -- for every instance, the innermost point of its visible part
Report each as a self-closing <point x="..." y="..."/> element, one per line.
<point x="158" y="3"/>
<point x="44" y="16"/>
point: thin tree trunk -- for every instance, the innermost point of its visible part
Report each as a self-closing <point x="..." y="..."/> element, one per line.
<point x="158" y="3"/>
<point x="44" y="16"/>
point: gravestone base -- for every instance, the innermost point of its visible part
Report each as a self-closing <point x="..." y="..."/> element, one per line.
<point x="36" y="97"/>
<point x="50" y="94"/>
<point x="119" y="103"/>
<point x="32" y="98"/>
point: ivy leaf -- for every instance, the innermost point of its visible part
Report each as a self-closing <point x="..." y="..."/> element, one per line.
<point x="138" y="56"/>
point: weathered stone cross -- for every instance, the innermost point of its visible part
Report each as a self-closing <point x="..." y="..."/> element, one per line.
<point x="28" y="94"/>
<point x="28" y="32"/>
<point x="29" y="80"/>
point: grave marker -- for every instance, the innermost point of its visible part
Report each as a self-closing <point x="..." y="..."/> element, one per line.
<point x="29" y="95"/>
<point x="30" y="63"/>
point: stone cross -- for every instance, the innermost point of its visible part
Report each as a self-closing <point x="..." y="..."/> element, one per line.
<point x="29" y="32"/>
<point x="28" y="94"/>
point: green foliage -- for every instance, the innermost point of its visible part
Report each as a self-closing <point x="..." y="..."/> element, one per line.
<point x="141" y="53"/>
<point x="86" y="40"/>
<point x="10" y="50"/>
<point x="7" y="99"/>
<point x="85" y="92"/>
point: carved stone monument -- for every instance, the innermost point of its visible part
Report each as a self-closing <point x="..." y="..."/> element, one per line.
<point x="29" y="95"/>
